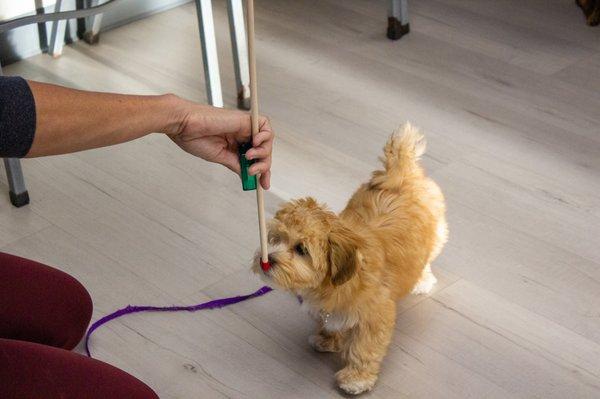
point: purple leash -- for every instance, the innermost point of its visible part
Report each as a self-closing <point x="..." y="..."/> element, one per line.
<point x="214" y="304"/>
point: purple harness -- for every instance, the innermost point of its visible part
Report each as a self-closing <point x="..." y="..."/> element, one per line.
<point x="214" y="304"/>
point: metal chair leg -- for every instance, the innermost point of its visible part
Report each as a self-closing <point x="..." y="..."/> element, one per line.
<point x="239" y="47"/>
<point x="17" y="190"/>
<point x="57" y="35"/>
<point x="398" y="25"/>
<point x="92" y="36"/>
<point x="210" y="57"/>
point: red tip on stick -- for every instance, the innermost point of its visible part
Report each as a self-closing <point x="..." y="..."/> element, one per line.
<point x="265" y="266"/>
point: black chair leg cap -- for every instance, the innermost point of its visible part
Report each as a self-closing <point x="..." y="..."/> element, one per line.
<point x="243" y="103"/>
<point x="19" y="200"/>
<point x="90" y="38"/>
<point x="395" y="29"/>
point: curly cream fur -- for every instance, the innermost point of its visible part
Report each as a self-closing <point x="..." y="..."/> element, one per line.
<point x="355" y="266"/>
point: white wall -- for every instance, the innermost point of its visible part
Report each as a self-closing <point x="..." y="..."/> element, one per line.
<point x="24" y="42"/>
<point x="14" y="8"/>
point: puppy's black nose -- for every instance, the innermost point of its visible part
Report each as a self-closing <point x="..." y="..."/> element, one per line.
<point x="272" y="260"/>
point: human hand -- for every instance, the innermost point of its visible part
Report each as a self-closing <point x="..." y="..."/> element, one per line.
<point x="213" y="134"/>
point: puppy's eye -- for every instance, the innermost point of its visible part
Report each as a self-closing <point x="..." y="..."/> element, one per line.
<point x="300" y="249"/>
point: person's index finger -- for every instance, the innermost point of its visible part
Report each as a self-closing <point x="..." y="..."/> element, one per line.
<point x="264" y="123"/>
<point x="261" y="137"/>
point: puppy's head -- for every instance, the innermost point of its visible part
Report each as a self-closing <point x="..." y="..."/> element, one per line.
<point x="309" y="247"/>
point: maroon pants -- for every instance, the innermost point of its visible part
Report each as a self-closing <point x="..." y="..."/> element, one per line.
<point x="43" y="315"/>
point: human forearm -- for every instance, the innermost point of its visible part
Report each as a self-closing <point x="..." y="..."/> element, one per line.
<point x="69" y="120"/>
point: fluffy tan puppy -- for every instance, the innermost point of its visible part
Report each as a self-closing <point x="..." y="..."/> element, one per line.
<point x="350" y="269"/>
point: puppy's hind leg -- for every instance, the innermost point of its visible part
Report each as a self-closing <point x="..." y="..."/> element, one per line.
<point x="426" y="282"/>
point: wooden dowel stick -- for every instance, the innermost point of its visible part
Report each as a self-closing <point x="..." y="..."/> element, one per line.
<point x="260" y="198"/>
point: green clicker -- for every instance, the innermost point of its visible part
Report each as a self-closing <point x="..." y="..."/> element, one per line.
<point x="248" y="182"/>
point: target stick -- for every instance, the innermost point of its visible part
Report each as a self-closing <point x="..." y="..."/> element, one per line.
<point x="260" y="197"/>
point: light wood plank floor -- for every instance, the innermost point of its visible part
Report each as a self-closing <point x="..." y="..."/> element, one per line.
<point x="508" y="94"/>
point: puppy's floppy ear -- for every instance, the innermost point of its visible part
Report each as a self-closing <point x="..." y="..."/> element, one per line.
<point x="344" y="245"/>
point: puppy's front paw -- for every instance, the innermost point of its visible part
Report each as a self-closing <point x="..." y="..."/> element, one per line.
<point x="354" y="381"/>
<point x="322" y="343"/>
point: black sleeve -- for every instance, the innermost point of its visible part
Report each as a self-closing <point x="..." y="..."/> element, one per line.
<point x="17" y="117"/>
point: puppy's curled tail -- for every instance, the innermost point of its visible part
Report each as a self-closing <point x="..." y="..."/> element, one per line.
<point x="401" y="156"/>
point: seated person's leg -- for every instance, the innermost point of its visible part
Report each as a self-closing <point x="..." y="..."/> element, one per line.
<point x="29" y="370"/>
<point x="41" y="304"/>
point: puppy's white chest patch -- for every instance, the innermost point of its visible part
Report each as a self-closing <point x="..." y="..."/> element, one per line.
<point x="331" y="321"/>
<point x="334" y="322"/>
